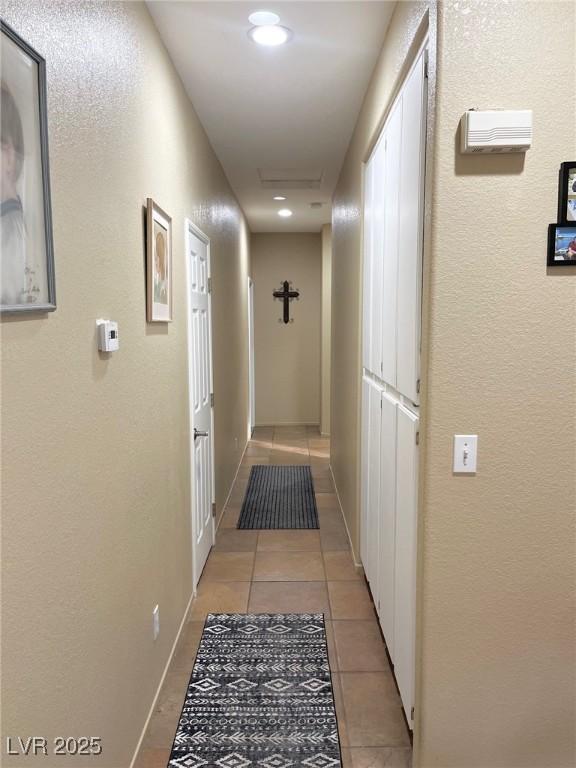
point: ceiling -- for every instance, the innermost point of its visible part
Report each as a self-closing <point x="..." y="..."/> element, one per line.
<point x="278" y="118"/>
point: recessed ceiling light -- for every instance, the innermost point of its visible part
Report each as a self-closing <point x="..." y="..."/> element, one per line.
<point x="270" y="35"/>
<point x="263" y="18"/>
<point x="279" y="197"/>
<point x="285" y="213"/>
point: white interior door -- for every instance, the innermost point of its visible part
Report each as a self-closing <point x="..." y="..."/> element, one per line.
<point x="200" y="389"/>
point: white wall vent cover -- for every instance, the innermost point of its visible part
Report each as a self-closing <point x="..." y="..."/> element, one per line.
<point x="496" y="130"/>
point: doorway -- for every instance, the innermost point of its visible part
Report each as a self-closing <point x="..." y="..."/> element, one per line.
<point x="201" y="410"/>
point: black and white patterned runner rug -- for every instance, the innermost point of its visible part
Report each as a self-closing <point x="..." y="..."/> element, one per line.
<point x="260" y="696"/>
<point x="279" y="496"/>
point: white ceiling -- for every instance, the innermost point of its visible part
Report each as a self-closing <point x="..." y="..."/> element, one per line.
<point x="285" y="112"/>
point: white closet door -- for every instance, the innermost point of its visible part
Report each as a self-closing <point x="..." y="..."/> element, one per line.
<point x="410" y="231"/>
<point x="365" y="464"/>
<point x="393" y="140"/>
<point x="379" y="185"/>
<point x="405" y="560"/>
<point x="367" y="266"/>
<point x="387" y="520"/>
<point x="370" y="557"/>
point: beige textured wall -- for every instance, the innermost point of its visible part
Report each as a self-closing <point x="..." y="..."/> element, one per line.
<point x="95" y="496"/>
<point x="287" y="357"/>
<point x="496" y="622"/>
<point x="347" y="263"/>
<point x="326" y="352"/>
<point x="498" y="640"/>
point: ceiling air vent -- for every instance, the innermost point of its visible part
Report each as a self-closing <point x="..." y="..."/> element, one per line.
<point x="290" y="178"/>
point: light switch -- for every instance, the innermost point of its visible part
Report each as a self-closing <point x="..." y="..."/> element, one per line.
<point x="465" y="453"/>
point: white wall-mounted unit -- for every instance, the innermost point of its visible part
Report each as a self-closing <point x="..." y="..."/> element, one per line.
<point x="496" y="130"/>
<point x="393" y="243"/>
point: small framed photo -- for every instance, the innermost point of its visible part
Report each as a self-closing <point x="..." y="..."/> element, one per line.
<point x="27" y="281"/>
<point x="158" y="264"/>
<point x="567" y="193"/>
<point x="562" y="245"/>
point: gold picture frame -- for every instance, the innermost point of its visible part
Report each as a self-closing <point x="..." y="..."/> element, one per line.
<point x="158" y="264"/>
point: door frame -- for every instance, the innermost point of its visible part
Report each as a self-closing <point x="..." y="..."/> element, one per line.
<point x="251" y="362"/>
<point x="191" y="229"/>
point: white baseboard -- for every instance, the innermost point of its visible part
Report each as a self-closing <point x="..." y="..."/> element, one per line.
<point x="356" y="563"/>
<point x="161" y="683"/>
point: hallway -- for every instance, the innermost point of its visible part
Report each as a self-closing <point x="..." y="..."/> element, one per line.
<point x="295" y="571"/>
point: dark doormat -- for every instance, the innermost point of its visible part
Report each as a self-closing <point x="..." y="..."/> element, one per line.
<point x="260" y="696"/>
<point x="279" y="497"/>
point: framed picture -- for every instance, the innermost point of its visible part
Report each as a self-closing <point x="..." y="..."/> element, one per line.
<point x="567" y="193"/>
<point x="562" y="245"/>
<point x="158" y="264"/>
<point x="27" y="256"/>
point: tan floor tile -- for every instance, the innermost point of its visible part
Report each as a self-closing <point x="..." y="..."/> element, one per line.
<point x="332" y="655"/>
<point x="233" y="540"/>
<point x="238" y="492"/>
<point x="220" y="597"/>
<point x="359" y="646"/>
<point x="350" y="600"/>
<point x="326" y="500"/>
<point x="289" y="566"/>
<point x="228" y="566"/>
<point x="340" y="566"/>
<point x="164" y="720"/>
<point x="263" y="433"/>
<point x="340" y="711"/>
<point x="377" y="757"/>
<point x="289" y="597"/>
<point x="283" y="541"/>
<point x="258" y="449"/>
<point x="183" y="659"/>
<point x="334" y="540"/>
<point x="324" y="485"/>
<point x="373" y="710"/>
<point x="229" y="519"/>
<point x="153" y="757"/>
<point x="288" y="458"/>
<point x="252" y="461"/>
<point x="319" y="471"/>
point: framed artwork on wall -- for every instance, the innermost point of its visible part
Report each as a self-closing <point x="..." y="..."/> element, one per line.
<point x="27" y="281"/>
<point x="562" y="245"/>
<point x="567" y="193"/>
<point x="158" y="264"/>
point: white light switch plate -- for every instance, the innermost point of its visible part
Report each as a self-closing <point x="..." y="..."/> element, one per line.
<point x="465" y="454"/>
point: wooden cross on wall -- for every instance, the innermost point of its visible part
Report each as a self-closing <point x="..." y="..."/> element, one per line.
<point x="287" y="296"/>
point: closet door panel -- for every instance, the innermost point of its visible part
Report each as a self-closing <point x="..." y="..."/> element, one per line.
<point x="390" y="201"/>
<point x="379" y="185"/>
<point x="367" y="265"/>
<point x="387" y="520"/>
<point x="405" y="559"/>
<point x="373" y="512"/>
<point x="410" y="232"/>
<point x="365" y="464"/>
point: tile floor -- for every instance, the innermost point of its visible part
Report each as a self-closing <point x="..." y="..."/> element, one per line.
<point x="295" y="571"/>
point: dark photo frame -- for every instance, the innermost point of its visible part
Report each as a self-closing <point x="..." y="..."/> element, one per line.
<point x="567" y="193"/>
<point x="27" y="282"/>
<point x="562" y="245"/>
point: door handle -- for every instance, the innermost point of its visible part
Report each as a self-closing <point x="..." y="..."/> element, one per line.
<point x="198" y="433"/>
